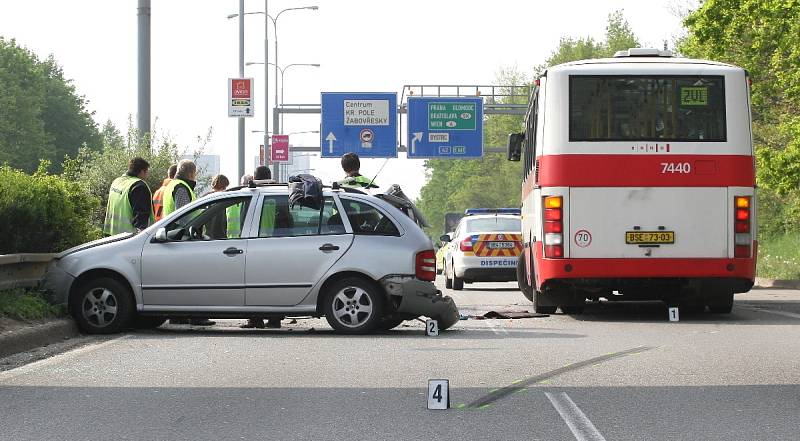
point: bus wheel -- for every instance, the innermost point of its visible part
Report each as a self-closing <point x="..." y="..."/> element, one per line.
<point x="721" y="304"/>
<point x="522" y="278"/>
<point x="538" y="307"/>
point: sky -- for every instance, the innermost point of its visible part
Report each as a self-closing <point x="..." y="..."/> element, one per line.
<point x="361" y="46"/>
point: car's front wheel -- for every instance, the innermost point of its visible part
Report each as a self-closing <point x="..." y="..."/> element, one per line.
<point x="354" y="306"/>
<point x="102" y="306"/>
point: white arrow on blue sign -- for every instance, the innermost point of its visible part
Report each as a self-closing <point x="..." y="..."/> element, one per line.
<point x="362" y="123"/>
<point x="445" y="127"/>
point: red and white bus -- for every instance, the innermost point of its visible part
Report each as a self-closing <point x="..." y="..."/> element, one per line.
<point x="638" y="183"/>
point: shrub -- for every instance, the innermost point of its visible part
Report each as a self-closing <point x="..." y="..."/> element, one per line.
<point x="42" y="213"/>
<point x="27" y="305"/>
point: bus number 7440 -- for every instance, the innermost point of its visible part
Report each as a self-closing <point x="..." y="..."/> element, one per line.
<point x="676" y="167"/>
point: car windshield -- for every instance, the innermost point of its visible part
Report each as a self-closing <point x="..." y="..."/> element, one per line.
<point x="494" y="224"/>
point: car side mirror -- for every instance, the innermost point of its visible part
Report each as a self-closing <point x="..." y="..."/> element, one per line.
<point x="444" y="238"/>
<point x="515" y="146"/>
<point x="161" y="235"/>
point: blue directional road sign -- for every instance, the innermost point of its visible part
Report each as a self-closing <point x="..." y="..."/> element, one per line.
<point x="445" y="127"/>
<point x="362" y="123"/>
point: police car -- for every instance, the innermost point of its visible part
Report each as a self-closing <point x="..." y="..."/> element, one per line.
<point x="484" y="247"/>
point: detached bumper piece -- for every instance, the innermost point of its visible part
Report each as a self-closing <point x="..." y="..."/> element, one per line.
<point x="418" y="297"/>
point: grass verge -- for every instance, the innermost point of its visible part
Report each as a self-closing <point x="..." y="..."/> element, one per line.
<point x="779" y="257"/>
<point x="24" y="304"/>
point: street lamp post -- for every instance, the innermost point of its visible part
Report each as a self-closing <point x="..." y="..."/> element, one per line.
<point x="274" y="20"/>
<point x="282" y="71"/>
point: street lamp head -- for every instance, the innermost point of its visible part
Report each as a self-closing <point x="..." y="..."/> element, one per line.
<point x="313" y="8"/>
<point x="230" y="16"/>
<point x="250" y="63"/>
<point x="315" y="64"/>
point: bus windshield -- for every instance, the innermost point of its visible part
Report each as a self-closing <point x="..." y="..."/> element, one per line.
<point x="499" y="224"/>
<point x="647" y="108"/>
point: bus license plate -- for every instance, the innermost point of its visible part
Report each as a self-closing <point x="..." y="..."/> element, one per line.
<point x="649" y="237"/>
<point x="500" y="245"/>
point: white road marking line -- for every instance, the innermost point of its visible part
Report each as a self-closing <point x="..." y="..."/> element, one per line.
<point x="576" y="420"/>
<point x="772" y="311"/>
<point x="13" y="373"/>
<point x="501" y="326"/>
<point x="497" y="328"/>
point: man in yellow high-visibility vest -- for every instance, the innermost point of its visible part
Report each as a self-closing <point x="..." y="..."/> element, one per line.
<point x="351" y="164"/>
<point x="180" y="191"/>
<point x="129" y="208"/>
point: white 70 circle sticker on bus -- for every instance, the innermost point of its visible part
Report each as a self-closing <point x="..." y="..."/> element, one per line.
<point x="676" y="167"/>
<point x="583" y="238"/>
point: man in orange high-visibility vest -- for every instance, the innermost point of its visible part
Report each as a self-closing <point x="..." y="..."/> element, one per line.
<point x="158" y="196"/>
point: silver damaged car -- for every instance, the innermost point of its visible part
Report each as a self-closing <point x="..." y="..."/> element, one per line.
<point x="361" y="261"/>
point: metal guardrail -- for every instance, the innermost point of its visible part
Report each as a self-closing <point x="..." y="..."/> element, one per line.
<point x="23" y="270"/>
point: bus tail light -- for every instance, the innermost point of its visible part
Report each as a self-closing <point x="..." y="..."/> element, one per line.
<point x="553" y="227"/>
<point x="426" y="265"/>
<point x="466" y="244"/>
<point x="742" y="238"/>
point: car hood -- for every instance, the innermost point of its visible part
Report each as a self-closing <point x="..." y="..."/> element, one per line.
<point x="94" y="243"/>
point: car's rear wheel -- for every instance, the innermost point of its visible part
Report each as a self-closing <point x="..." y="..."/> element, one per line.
<point x="458" y="283"/>
<point x="522" y="278"/>
<point x="354" y="306"/>
<point x="102" y="306"/>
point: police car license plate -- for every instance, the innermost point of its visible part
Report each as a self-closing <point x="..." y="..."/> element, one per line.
<point x="649" y="237"/>
<point x="500" y="245"/>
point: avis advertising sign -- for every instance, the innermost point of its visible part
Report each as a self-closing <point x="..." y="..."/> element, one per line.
<point x="240" y="97"/>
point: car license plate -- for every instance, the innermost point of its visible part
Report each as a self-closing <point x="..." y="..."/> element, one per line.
<point x="500" y="245"/>
<point x="649" y="237"/>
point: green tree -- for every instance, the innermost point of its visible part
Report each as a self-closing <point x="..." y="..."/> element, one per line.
<point x="619" y="36"/>
<point x="23" y="138"/>
<point x="94" y="170"/>
<point x="455" y="185"/>
<point x="41" y="114"/>
<point x="65" y="116"/>
<point x="763" y="37"/>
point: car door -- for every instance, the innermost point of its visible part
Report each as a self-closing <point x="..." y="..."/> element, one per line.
<point x="198" y="264"/>
<point x="290" y="249"/>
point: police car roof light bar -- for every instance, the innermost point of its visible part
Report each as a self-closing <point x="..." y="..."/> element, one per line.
<point x="474" y="211"/>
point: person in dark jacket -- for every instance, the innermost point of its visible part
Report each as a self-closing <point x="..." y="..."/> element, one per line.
<point x="351" y="165"/>
<point x="130" y="208"/>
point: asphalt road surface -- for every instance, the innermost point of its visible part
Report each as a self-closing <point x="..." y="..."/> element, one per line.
<point x="621" y="371"/>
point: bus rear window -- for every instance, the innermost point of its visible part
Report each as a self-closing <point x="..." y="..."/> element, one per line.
<point x="647" y="108"/>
